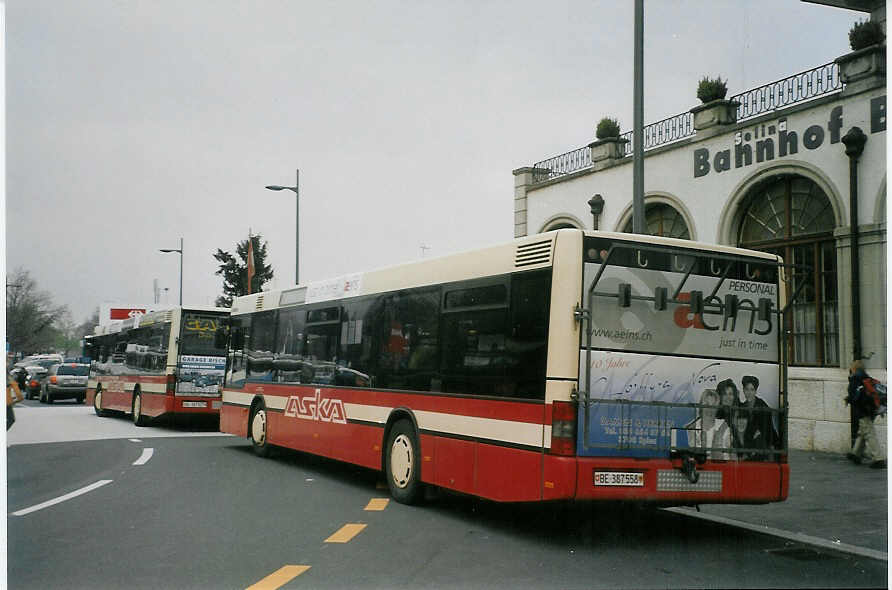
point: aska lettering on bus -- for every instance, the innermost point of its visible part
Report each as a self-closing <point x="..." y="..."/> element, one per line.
<point x="315" y="407"/>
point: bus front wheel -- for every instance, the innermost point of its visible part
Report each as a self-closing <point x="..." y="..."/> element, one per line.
<point x="258" y="431"/>
<point x="402" y="463"/>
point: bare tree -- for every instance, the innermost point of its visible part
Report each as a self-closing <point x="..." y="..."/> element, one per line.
<point x="86" y="327"/>
<point x="31" y="314"/>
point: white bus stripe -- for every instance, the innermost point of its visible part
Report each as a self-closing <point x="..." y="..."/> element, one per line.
<point x="146" y="455"/>
<point x="60" y="499"/>
<point x="506" y="431"/>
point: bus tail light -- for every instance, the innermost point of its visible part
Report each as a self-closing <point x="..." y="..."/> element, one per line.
<point x="171" y="384"/>
<point x="563" y="428"/>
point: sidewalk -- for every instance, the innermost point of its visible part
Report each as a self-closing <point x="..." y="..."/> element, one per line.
<point x="832" y="503"/>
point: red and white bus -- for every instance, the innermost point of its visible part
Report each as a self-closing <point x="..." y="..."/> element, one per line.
<point x="161" y="363"/>
<point x="566" y="365"/>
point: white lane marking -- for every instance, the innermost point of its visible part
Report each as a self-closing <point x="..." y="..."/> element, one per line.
<point x="67" y="496"/>
<point x="799" y="537"/>
<point x="135" y="439"/>
<point x="146" y="455"/>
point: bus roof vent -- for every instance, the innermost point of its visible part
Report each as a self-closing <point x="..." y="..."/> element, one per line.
<point x="259" y="305"/>
<point x="533" y="253"/>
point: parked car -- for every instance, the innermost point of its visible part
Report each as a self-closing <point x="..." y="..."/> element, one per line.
<point x="19" y="374"/>
<point x="34" y="376"/>
<point x="44" y="360"/>
<point x="65" y="381"/>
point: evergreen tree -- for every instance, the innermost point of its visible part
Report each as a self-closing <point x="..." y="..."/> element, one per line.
<point x="234" y="270"/>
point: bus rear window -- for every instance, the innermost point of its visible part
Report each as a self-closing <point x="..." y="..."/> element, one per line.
<point x="647" y="297"/>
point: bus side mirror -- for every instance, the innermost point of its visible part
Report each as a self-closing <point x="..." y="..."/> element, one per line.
<point x="625" y="295"/>
<point x="764" y="313"/>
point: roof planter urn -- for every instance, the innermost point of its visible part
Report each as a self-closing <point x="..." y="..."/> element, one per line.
<point x="863" y="68"/>
<point x="715" y="112"/>
<point x="608" y="148"/>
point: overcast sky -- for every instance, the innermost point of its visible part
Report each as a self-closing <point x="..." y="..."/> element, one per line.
<point x="131" y="124"/>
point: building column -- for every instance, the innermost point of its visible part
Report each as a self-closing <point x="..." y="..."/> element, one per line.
<point x="523" y="180"/>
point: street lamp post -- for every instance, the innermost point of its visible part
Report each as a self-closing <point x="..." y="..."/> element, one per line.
<point x="296" y="190"/>
<point x="180" y="252"/>
<point x="596" y="204"/>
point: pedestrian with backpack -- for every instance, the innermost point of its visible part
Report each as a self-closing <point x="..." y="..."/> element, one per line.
<point x="864" y="394"/>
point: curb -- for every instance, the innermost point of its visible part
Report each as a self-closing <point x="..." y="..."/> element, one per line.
<point x="798" y="537"/>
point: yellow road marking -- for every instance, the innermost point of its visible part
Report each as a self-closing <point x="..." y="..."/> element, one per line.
<point x="377" y="504"/>
<point x="279" y="577"/>
<point x="346" y="533"/>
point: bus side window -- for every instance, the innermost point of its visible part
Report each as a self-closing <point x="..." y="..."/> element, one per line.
<point x="356" y="367"/>
<point x="475" y="336"/>
<point x="260" y="345"/>
<point x="288" y="357"/>
<point x="408" y="352"/>
<point x="527" y="344"/>
<point x="236" y="366"/>
<point x="321" y="346"/>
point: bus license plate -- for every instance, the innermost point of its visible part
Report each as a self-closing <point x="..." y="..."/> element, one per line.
<point x="618" y="478"/>
<point x="195" y="404"/>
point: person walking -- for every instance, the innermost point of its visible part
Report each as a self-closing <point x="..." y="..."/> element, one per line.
<point x="13" y="396"/>
<point x="865" y="400"/>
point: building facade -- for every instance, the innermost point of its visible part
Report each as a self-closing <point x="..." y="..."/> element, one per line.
<point x="796" y="167"/>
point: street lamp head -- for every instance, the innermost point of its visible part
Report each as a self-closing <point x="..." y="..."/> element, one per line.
<point x="276" y="187"/>
<point x="167" y="250"/>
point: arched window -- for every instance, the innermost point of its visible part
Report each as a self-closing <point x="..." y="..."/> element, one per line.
<point x="791" y="216"/>
<point x="661" y="219"/>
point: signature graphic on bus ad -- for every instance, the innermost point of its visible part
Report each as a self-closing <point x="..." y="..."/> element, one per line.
<point x="200" y="375"/>
<point x="642" y="327"/>
<point x="624" y="420"/>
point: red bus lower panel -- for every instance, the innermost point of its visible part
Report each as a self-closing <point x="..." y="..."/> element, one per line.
<point x="662" y="481"/>
<point x="154" y="405"/>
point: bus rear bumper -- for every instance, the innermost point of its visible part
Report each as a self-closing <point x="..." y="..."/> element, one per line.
<point x="662" y="481"/>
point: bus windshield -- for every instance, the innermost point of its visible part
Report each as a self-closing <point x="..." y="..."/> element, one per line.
<point x="203" y="334"/>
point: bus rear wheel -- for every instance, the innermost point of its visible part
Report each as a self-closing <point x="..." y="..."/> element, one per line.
<point x="97" y="403"/>
<point x="139" y="419"/>
<point x="402" y="463"/>
<point x="258" y="429"/>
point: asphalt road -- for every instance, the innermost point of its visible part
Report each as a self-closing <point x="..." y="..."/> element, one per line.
<point x="169" y="507"/>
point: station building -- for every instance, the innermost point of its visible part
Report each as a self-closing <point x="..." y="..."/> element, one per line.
<point x="796" y="167"/>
